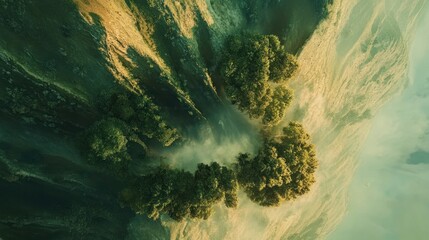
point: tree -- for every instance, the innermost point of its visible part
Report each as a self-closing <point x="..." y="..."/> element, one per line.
<point x="298" y="151"/>
<point x="155" y="193"/>
<point x="282" y="64"/>
<point x="282" y="170"/>
<point x="214" y="183"/>
<point x="149" y="122"/>
<point x="181" y="194"/>
<point x="229" y="185"/>
<point x="277" y="107"/>
<point x="142" y="116"/>
<point x="245" y="70"/>
<point x="121" y="107"/>
<point x="250" y="65"/>
<point x="106" y="140"/>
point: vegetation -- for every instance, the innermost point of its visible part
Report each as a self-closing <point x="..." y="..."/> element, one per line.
<point x="282" y="170"/>
<point x="129" y="117"/>
<point x="252" y="68"/>
<point x="282" y="64"/>
<point x="181" y="194"/>
<point x="255" y="69"/>
<point x="54" y="66"/>
<point x="276" y="108"/>
<point x="106" y="141"/>
<point x="142" y="116"/>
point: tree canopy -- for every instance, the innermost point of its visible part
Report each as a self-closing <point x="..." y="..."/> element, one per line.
<point x="282" y="170"/>
<point x="181" y="194"/>
<point x="251" y="66"/>
<point x="276" y="108"/>
<point x="106" y="140"/>
<point x="282" y="64"/>
<point x="142" y="116"/>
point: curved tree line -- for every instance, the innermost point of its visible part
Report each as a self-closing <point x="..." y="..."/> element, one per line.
<point x="255" y="70"/>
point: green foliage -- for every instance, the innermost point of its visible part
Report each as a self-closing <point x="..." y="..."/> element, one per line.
<point x="245" y="69"/>
<point x="298" y="151"/>
<point x="283" y="67"/>
<point x="277" y="107"/>
<point x="182" y="194"/>
<point x="121" y="107"/>
<point x="142" y="116"/>
<point x="250" y="65"/>
<point x="106" y="140"/>
<point x="282" y="64"/>
<point x="155" y="193"/>
<point x="282" y="170"/>
<point x="213" y="182"/>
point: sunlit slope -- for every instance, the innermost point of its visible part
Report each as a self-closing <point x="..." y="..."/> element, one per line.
<point x="84" y="48"/>
<point x="151" y="46"/>
<point x="165" y="49"/>
<point x="353" y="64"/>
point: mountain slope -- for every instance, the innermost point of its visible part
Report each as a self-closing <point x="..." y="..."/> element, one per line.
<point x="58" y="62"/>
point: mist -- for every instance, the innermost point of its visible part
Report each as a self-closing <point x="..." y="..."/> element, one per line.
<point x="208" y="147"/>
<point x="388" y="196"/>
<point x="227" y="133"/>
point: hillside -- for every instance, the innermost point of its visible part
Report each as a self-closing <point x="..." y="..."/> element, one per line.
<point x="62" y="61"/>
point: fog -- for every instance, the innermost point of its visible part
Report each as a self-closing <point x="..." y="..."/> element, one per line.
<point x="210" y="147"/>
<point x="388" y="196"/>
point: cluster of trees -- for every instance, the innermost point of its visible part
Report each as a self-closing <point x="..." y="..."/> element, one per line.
<point x="129" y="118"/>
<point x="142" y="117"/>
<point x="181" y="194"/>
<point x="282" y="170"/>
<point x="255" y="69"/>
